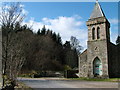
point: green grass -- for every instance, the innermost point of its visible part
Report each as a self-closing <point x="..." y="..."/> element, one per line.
<point x="97" y="79"/>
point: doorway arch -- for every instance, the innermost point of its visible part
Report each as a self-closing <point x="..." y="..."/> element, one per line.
<point x="97" y="67"/>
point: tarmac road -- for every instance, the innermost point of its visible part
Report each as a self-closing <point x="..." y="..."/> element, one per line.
<point x="42" y="83"/>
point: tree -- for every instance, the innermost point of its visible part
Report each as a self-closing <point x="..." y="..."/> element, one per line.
<point x="12" y="52"/>
<point x="118" y="50"/>
<point x="58" y="39"/>
<point x="49" y="32"/>
<point x="54" y="36"/>
<point x="67" y="45"/>
<point x="44" y="59"/>
<point x="75" y="44"/>
<point x="70" y="55"/>
<point x="38" y="32"/>
<point x="43" y="31"/>
<point x="11" y="14"/>
<point x="118" y="40"/>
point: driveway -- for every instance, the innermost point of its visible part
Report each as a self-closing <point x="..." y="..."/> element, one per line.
<point x="64" y="83"/>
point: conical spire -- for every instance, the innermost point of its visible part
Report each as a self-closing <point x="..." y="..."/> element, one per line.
<point x="97" y="11"/>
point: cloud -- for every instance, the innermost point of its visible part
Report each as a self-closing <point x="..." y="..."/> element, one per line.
<point x="113" y="21"/>
<point x="114" y="37"/>
<point x="69" y="26"/>
<point x="114" y="29"/>
<point x="7" y="6"/>
<point x="21" y="5"/>
<point x="65" y="26"/>
<point x="25" y="12"/>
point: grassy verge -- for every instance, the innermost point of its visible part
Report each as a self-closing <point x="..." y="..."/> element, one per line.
<point x="97" y="79"/>
<point x="22" y="86"/>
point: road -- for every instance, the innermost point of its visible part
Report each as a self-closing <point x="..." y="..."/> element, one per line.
<point x="64" y="83"/>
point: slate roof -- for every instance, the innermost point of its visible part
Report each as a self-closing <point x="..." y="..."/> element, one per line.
<point x="97" y="11"/>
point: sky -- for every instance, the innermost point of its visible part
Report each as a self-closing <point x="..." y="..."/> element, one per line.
<point x="68" y="18"/>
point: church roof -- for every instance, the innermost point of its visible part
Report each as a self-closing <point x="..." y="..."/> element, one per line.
<point x="97" y="11"/>
<point x="85" y="51"/>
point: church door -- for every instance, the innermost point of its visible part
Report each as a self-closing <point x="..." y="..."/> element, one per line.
<point x="97" y="67"/>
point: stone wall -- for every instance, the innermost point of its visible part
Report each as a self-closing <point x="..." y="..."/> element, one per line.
<point x="104" y="26"/>
<point x="97" y="49"/>
<point x="83" y="66"/>
<point x="100" y="48"/>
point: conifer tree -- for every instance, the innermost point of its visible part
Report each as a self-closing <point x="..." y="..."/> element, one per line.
<point x="43" y="31"/>
<point x="59" y="41"/>
<point x="38" y="32"/>
<point x="118" y="40"/>
<point x="54" y="36"/>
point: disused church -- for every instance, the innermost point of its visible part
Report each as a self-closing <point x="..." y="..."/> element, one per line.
<point x="100" y="59"/>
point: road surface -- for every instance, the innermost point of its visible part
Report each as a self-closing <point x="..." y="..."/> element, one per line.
<point x="63" y="83"/>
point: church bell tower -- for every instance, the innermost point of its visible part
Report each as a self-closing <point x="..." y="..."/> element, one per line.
<point x="98" y="39"/>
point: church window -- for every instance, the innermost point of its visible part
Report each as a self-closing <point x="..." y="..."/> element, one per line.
<point x="97" y="67"/>
<point x="93" y="33"/>
<point x="98" y="33"/>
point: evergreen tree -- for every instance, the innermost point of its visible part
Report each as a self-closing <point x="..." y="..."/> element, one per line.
<point x="49" y="32"/>
<point x="38" y="32"/>
<point x="43" y="31"/>
<point x="67" y="45"/>
<point x="59" y="41"/>
<point x="54" y="36"/>
<point x="118" y="40"/>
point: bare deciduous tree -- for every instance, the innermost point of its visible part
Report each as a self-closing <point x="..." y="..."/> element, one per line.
<point x="12" y="49"/>
<point x="75" y="44"/>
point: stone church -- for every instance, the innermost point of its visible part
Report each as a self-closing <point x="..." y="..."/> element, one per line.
<point x="100" y="59"/>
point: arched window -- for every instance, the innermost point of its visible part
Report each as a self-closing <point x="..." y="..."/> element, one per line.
<point x="93" y="33"/>
<point x="97" y="67"/>
<point x="98" y="33"/>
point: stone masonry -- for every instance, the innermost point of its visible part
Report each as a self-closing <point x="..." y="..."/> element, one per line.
<point x="99" y="59"/>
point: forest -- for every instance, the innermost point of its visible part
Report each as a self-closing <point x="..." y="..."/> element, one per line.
<point x="24" y="51"/>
